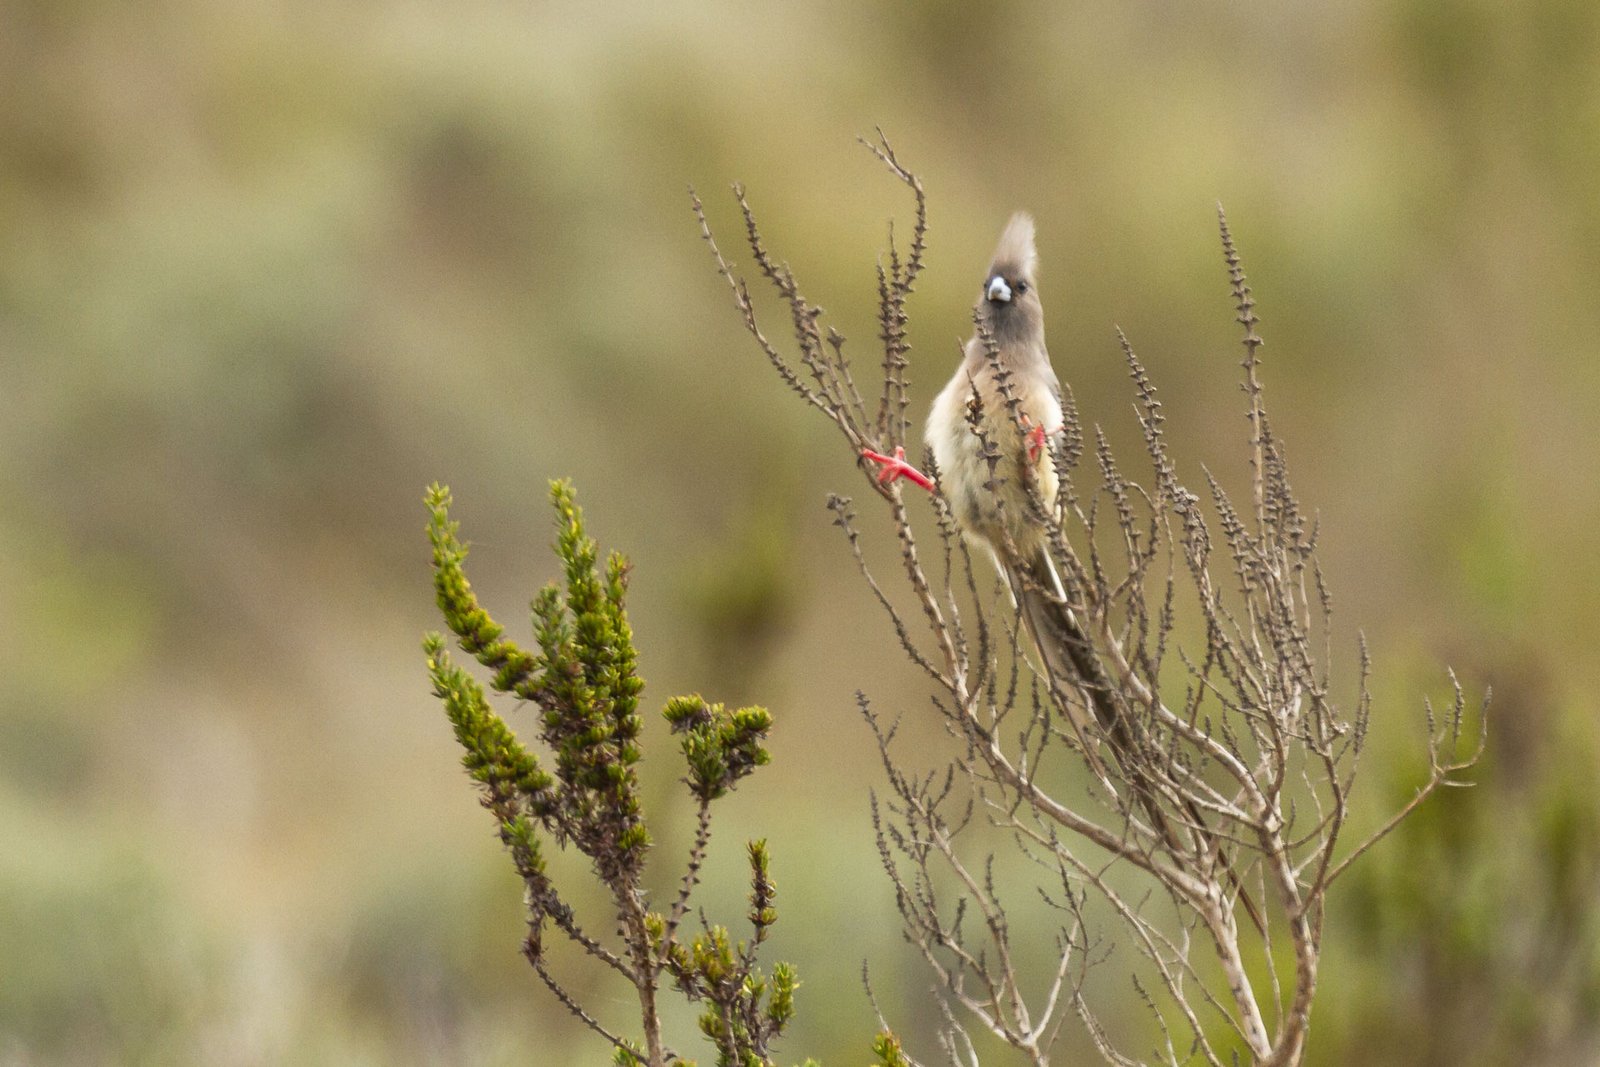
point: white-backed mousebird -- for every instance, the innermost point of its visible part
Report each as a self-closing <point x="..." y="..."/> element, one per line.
<point x="987" y="431"/>
<point x="989" y="451"/>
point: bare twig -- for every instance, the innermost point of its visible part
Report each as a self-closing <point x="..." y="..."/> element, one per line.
<point x="1220" y="767"/>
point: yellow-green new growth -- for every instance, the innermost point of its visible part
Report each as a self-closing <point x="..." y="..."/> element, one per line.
<point x="720" y="746"/>
<point x="583" y="679"/>
<point x="887" y="1048"/>
<point x="514" y="786"/>
<point x="479" y="635"/>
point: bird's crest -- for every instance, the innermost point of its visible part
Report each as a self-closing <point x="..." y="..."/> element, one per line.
<point x="1015" y="256"/>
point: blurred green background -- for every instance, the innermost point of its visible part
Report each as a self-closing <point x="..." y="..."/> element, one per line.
<point x="268" y="267"/>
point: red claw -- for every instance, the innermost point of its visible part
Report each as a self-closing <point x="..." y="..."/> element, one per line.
<point x="1036" y="436"/>
<point x="1035" y="443"/>
<point x="896" y="467"/>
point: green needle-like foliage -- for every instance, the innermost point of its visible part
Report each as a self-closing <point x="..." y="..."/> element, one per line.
<point x="513" y="785"/>
<point x="720" y="746"/>
<point x="744" y="1009"/>
<point x="887" y="1048"/>
<point x="480" y="636"/>
<point x="583" y="679"/>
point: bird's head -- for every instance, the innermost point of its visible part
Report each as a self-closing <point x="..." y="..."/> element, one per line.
<point x="1010" y="301"/>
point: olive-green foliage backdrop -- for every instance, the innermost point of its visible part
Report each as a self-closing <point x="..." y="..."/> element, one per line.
<point x="268" y="267"/>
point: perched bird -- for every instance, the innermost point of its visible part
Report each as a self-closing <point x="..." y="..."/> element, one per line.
<point x="990" y="501"/>
<point x="987" y="430"/>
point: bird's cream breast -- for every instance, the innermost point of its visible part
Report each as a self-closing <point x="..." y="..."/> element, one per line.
<point x="992" y="508"/>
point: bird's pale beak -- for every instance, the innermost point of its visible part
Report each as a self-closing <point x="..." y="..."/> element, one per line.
<point x="998" y="292"/>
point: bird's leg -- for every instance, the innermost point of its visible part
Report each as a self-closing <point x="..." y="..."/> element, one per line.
<point x="896" y="467"/>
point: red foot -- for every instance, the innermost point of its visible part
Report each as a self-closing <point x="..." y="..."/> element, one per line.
<point x="1035" y="437"/>
<point x="1035" y="443"/>
<point x="895" y="467"/>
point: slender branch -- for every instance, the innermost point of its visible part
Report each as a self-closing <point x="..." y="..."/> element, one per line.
<point x="1238" y="775"/>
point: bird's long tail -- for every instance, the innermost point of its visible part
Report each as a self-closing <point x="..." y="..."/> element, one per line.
<point x="1069" y="658"/>
<point x="1071" y="663"/>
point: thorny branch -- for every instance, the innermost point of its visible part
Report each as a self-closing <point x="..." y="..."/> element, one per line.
<point x="1232" y="763"/>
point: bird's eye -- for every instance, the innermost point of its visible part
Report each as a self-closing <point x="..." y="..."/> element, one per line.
<point x="1022" y="287"/>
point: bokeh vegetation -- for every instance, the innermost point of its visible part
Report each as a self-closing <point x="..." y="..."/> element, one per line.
<point x="268" y="268"/>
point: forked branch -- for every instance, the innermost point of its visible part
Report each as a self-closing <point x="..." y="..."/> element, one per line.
<point x="1217" y="756"/>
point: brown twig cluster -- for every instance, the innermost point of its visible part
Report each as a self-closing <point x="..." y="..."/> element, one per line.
<point x="1216" y="763"/>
